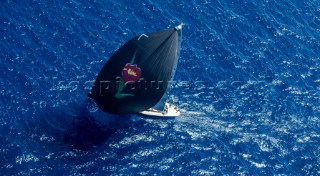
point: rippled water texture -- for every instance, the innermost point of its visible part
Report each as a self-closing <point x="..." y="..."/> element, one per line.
<point x="248" y="85"/>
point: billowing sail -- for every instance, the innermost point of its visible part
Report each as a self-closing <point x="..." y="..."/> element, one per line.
<point x="136" y="77"/>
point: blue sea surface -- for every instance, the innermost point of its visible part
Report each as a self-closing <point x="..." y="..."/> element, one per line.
<point x="247" y="83"/>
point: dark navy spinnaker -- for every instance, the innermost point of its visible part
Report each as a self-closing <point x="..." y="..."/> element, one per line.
<point x="136" y="77"/>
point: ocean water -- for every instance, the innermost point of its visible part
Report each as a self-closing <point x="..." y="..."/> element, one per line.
<point x="247" y="83"/>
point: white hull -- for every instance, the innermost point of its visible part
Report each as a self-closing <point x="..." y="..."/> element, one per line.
<point x="169" y="111"/>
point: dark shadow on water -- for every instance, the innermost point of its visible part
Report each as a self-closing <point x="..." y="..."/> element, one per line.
<point x="77" y="125"/>
<point x="87" y="131"/>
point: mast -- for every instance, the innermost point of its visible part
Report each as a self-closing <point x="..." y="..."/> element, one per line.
<point x="161" y="104"/>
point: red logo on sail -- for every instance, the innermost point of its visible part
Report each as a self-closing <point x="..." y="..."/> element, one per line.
<point x="131" y="73"/>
